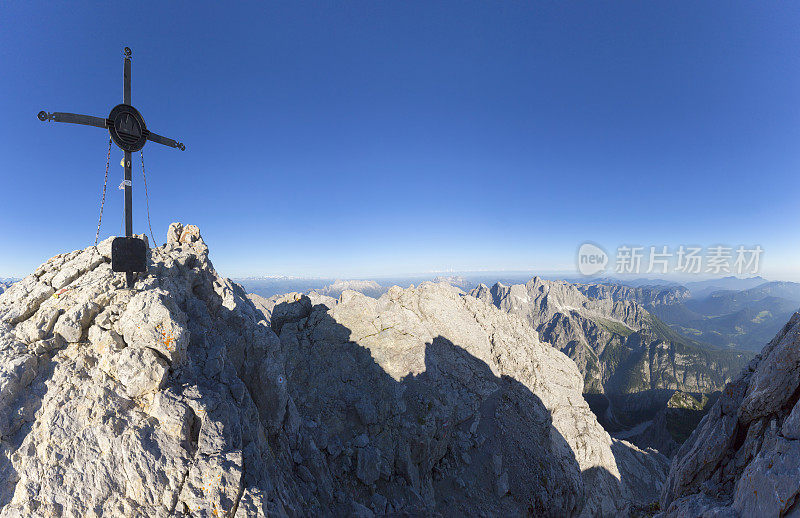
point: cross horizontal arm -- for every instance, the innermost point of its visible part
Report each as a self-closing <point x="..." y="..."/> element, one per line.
<point x="158" y="139"/>
<point x="74" y="118"/>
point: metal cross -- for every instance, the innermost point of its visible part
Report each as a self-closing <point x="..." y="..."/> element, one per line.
<point x="129" y="133"/>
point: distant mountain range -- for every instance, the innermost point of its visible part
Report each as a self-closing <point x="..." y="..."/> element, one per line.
<point x="744" y="319"/>
<point x="618" y="345"/>
<point x="727" y="312"/>
<point x="704" y="288"/>
<point x="699" y="288"/>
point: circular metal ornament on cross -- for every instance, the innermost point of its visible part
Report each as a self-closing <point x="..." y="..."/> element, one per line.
<point x="127" y="128"/>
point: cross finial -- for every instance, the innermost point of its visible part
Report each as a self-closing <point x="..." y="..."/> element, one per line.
<point x="127" y="52"/>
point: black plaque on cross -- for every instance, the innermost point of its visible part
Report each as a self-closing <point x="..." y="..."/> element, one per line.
<point x="129" y="132"/>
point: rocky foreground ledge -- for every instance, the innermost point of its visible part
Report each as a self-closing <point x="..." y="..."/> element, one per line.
<point x="178" y="397"/>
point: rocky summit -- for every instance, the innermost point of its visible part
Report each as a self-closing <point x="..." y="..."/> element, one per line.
<point x="179" y="397"/>
<point x="744" y="457"/>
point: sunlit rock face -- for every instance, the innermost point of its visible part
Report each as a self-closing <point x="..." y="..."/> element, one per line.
<point x="179" y="398"/>
<point x="744" y="457"/>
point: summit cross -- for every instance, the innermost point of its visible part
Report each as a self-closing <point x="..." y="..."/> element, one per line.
<point x="129" y="133"/>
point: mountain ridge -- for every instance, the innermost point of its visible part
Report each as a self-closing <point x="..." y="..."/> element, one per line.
<point x="177" y="397"/>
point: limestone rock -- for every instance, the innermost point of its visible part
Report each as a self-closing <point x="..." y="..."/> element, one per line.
<point x="190" y="234"/>
<point x="744" y="458"/>
<point x="791" y="426"/>
<point x="5" y="284"/>
<point x="139" y="369"/>
<point x="135" y="402"/>
<point x="72" y="325"/>
<point x="153" y="319"/>
<point x="174" y="234"/>
<point x="368" y="469"/>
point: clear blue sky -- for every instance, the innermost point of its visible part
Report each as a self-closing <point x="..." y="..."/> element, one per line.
<point x="367" y="138"/>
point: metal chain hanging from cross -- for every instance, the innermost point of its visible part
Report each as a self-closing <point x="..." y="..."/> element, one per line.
<point x="129" y="133"/>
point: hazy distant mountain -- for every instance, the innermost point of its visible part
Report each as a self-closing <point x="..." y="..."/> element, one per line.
<point x="635" y="283"/>
<point x="746" y="319"/>
<point x="712" y="311"/>
<point x="368" y="288"/>
<point x="781" y="289"/>
<point x="270" y="286"/>
<point x="454" y="280"/>
<point x="701" y="289"/>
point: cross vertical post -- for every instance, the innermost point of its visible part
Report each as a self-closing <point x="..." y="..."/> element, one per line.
<point x="126" y="99"/>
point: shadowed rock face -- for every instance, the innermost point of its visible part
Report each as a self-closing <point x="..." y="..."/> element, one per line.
<point x="177" y="397"/>
<point x="744" y="457"/>
<point x="490" y="410"/>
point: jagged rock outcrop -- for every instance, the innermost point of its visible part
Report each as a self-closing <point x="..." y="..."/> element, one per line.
<point x="265" y="304"/>
<point x="617" y="344"/>
<point x="744" y="457"/>
<point x="177" y="398"/>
